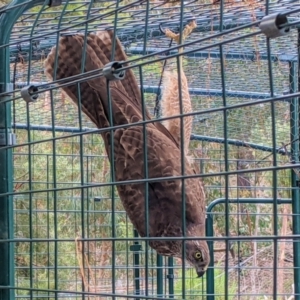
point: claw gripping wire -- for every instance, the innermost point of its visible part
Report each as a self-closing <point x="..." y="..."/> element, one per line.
<point x="274" y="25"/>
<point x="29" y="93"/>
<point x="110" y="71"/>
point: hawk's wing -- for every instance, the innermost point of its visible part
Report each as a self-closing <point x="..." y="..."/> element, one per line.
<point x="163" y="154"/>
<point x="98" y="48"/>
<point x="165" y="196"/>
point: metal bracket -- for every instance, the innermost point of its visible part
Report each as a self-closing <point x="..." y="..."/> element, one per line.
<point x="110" y="71"/>
<point x="28" y="93"/>
<point x="274" y="25"/>
<point x="11" y="139"/>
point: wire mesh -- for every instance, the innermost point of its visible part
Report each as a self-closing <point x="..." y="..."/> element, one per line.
<point x="72" y="238"/>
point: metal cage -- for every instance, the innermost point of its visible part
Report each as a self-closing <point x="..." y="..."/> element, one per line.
<point x="64" y="233"/>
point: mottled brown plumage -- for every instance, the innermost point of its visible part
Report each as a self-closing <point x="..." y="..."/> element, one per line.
<point x="170" y="100"/>
<point x="165" y="196"/>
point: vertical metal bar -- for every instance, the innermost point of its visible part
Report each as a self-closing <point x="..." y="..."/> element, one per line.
<point x="113" y="196"/>
<point x="159" y="276"/>
<point x="146" y="176"/>
<point x="6" y="179"/>
<point x="179" y="60"/>
<point x="6" y="169"/>
<point x="7" y="21"/>
<point x="29" y="158"/>
<point x="113" y="46"/>
<point x="48" y="222"/>
<point x="136" y="265"/>
<point x="274" y="172"/>
<point x="225" y="128"/>
<point x="55" y="198"/>
<point x="171" y="277"/>
<point x="210" y="285"/>
<point x="81" y="156"/>
<point x="89" y="170"/>
<point x="145" y="150"/>
<point x="294" y="123"/>
<point x="84" y="192"/>
<point x="81" y="163"/>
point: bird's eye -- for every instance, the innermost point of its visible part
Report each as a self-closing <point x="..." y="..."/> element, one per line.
<point x="198" y="255"/>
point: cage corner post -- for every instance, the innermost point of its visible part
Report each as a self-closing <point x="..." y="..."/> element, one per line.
<point x="295" y="123"/>
<point x="6" y="176"/>
<point x="210" y="286"/>
<point x="6" y="201"/>
<point x="7" y="21"/>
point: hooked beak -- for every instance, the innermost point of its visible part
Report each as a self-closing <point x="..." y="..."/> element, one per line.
<point x="201" y="272"/>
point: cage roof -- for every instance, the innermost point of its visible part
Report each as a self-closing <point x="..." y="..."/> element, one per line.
<point x="137" y="25"/>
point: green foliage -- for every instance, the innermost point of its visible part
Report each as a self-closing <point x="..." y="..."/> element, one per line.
<point x="62" y="214"/>
<point x="195" y="287"/>
<point x="73" y="213"/>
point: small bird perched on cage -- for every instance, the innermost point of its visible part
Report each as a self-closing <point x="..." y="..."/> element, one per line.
<point x="165" y="208"/>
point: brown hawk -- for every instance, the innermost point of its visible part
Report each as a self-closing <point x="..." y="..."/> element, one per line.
<point x="163" y="154"/>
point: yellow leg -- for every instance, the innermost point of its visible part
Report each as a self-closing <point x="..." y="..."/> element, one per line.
<point x="186" y="32"/>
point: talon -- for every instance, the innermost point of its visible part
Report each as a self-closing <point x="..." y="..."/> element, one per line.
<point x="185" y="33"/>
<point x="161" y="29"/>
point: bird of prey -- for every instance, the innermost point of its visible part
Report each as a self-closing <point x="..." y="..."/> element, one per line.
<point x="164" y="196"/>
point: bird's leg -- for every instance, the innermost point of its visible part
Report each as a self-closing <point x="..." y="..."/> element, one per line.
<point x="185" y="33"/>
<point x="176" y="36"/>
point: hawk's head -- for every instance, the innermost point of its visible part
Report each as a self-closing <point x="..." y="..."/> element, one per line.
<point x="197" y="254"/>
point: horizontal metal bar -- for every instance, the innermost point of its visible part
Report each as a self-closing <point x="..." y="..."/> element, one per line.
<point x="149" y="89"/>
<point x="20" y="84"/>
<point x="194" y="137"/>
<point x="213" y="92"/>
<point x="50" y="128"/>
<point x="216" y="54"/>
<point x="46" y="46"/>
<point x="126" y="36"/>
<point x="79" y="293"/>
<point x="264" y="238"/>
<point x="247" y="201"/>
<point x="149" y="180"/>
<point x="217" y="109"/>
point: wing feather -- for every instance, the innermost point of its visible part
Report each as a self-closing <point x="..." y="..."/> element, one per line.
<point x="165" y="195"/>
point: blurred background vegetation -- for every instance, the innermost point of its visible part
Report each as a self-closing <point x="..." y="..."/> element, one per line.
<point x="62" y="262"/>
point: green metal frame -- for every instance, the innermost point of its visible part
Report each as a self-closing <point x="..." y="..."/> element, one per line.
<point x="294" y="80"/>
<point x="294" y="123"/>
<point x="210" y="231"/>
<point x="7" y="21"/>
<point x="6" y="203"/>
